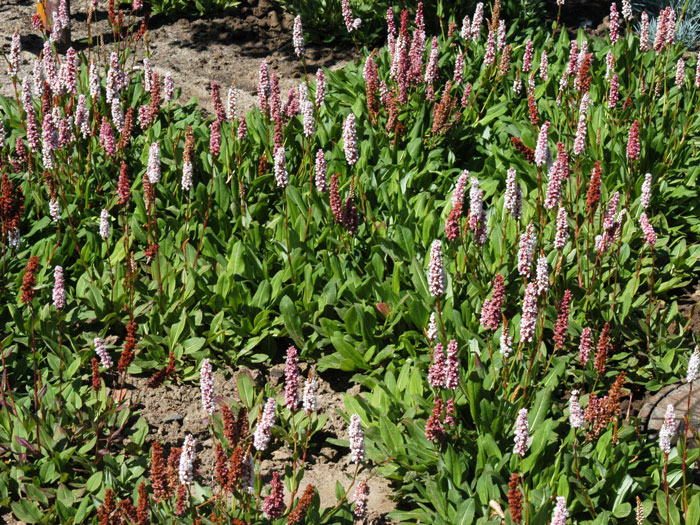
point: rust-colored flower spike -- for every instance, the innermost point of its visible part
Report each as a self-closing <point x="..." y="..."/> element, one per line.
<point x="96" y="383"/>
<point x="221" y="468"/>
<point x="158" y="474"/>
<point x="107" y="509"/>
<point x="593" y="195"/>
<point x="515" y="498"/>
<point x="143" y="510"/>
<point x="181" y="501"/>
<point x="29" y="280"/>
<point x="123" y="185"/>
<point x="443" y="112"/>
<point x="299" y="513"/>
<point x="604" y="347"/>
<point x="172" y="470"/>
<point x="129" y="345"/>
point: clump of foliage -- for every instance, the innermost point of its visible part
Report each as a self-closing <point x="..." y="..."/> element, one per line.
<point x="324" y="18"/>
<point x="488" y="229"/>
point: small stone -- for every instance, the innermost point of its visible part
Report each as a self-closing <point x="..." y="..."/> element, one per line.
<point x="172" y="417"/>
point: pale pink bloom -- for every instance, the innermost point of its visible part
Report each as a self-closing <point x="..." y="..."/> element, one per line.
<point x="490" y="54"/>
<point x="521" y="433"/>
<point x="646" y="191"/>
<point x="261" y="437"/>
<point x="101" y="351"/>
<point x="320" y="178"/>
<point x="436" y="372"/>
<point x="437" y="278"/>
<point x="668" y="429"/>
<point x="693" y="363"/>
<point x="291" y="379"/>
<point x="357" y="440"/>
<point x="644" y="33"/>
<point x="476" y="21"/>
<point x="562" y="234"/>
<point x="542" y="275"/>
<point x="528" y="319"/>
<point x="526" y="249"/>
<point x="187" y="461"/>
<point x="298" y="37"/>
<point x="560" y="514"/>
<point x="513" y="198"/>
<point x="452" y="366"/>
<point x="527" y="58"/>
<point x="680" y="72"/>
<point x="14" y="58"/>
<point x="614" y="23"/>
<point x="575" y="411"/>
<point x="206" y="386"/>
<point x="352" y="155"/>
<point x="153" y="168"/>
<point x="614" y="93"/>
<point x="647" y="230"/>
<point x="541" y="148"/>
<point x="59" y="292"/>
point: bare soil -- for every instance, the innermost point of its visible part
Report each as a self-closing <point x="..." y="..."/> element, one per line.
<point x="227" y="48"/>
<point x="173" y="410"/>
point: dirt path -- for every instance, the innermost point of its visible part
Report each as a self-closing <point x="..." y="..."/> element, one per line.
<point x="224" y="48"/>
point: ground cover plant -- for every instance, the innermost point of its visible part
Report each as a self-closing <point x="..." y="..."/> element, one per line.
<point x="488" y="229"/>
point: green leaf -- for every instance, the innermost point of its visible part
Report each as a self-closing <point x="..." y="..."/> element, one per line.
<point x="291" y="321"/>
<point x="622" y="510"/>
<point x="94" y="482"/>
<point x="245" y="389"/>
<point x="694" y="511"/>
<point x="27" y="511"/>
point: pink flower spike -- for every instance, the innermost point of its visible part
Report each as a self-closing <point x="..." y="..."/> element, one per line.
<point x="528" y="318"/>
<point x="680" y="72"/>
<point x="360" y="499"/>
<point x="526" y="249"/>
<point x="15" y="51"/>
<point x="452" y="366"/>
<point x="291" y="379"/>
<point x="575" y="411"/>
<point x="298" y="37"/>
<point x="585" y="346"/>
<point x="491" y="309"/>
<point x="352" y="155"/>
<point x="527" y="58"/>
<point x="321" y="179"/>
<point x="281" y="175"/>
<point x="101" y="351"/>
<point x="262" y="435"/>
<point x="647" y="230"/>
<point x="644" y="33"/>
<point x="436" y="373"/>
<point x="59" y="292"/>
<point x="206" y="385"/>
<point x="357" y="440"/>
<point x="541" y="148"/>
<point x="521" y="433"/>
<point x="560" y="514"/>
<point x="614" y="23"/>
<point x="646" y="191"/>
<point x="187" y="461"/>
<point x="437" y="278"/>
<point x="633" y="146"/>
<point x="273" y="504"/>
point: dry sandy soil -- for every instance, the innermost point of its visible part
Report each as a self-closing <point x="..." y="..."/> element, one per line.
<point x="224" y="48"/>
